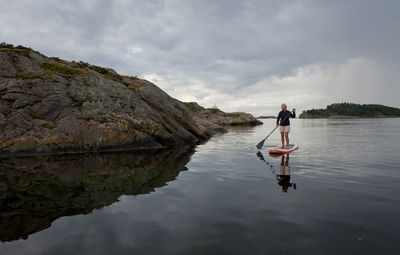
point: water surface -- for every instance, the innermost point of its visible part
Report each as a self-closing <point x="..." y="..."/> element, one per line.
<point x="342" y="196"/>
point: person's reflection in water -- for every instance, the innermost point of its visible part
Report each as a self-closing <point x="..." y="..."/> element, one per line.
<point x="284" y="175"/>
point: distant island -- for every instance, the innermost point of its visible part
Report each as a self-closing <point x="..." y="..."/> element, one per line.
<point x="266" y="117"/>
<point x="350" y="110"/>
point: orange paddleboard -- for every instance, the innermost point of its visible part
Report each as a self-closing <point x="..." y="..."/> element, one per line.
<point x="279" y="150"/>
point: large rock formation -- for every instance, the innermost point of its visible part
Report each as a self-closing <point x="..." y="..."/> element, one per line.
<point x="48" y="105"/>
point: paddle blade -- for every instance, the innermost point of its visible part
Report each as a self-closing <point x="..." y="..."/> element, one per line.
<point x="260" y="144"/>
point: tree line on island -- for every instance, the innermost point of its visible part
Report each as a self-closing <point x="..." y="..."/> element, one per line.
<point x="350" y="110"/>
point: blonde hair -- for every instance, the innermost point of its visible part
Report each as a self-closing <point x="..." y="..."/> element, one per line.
<point x="284" y="105"/>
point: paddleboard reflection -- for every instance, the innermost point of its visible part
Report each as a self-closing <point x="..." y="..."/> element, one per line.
<point x="283" y="177"/>
<point x="284" y="174"/>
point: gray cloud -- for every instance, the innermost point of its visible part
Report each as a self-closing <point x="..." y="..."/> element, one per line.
<point x="239" y="55"/>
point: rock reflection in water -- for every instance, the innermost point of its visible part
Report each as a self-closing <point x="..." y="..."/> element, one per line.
<point x="36" y="191"/>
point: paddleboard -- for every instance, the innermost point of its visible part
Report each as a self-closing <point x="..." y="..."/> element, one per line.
<point x="279" y="150"/>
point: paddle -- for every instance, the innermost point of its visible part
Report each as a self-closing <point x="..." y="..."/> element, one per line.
<point x="261" y="144"/>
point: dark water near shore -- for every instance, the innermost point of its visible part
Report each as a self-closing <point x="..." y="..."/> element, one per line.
<point x="343" y="196"/>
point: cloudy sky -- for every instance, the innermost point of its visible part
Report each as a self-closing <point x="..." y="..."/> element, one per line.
<point x="247" y="55"/>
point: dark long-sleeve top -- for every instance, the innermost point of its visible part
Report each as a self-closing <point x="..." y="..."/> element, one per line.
<point x="284" y="118"/>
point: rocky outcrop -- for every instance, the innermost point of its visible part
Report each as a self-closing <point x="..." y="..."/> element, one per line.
<point x="36" y="191"/>
<point x="48" y="105"/>
<point x="266" y="117"/>
<point x="219" y="117"/>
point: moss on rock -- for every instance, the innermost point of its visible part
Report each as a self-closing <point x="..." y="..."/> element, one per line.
<point x="62" y="68"/>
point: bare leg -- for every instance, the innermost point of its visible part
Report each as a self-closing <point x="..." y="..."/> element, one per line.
<point x="283" y="139"/>
<point x="287" y="139"/>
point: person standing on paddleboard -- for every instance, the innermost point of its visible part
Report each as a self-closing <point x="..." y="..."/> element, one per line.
<point x="284" y="124"/>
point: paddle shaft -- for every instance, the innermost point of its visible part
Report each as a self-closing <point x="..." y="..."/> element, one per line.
<point x="271" y="132"/>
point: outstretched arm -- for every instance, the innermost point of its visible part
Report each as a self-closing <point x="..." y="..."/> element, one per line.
<point x="293" y="113"/>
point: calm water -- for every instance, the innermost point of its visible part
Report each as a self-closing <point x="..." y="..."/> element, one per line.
<point x="343" y="196"/>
